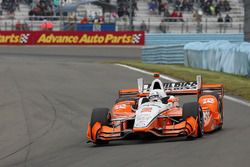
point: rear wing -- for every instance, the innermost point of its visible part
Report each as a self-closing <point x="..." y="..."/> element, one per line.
<point x="174" y="88"/>
<point x="177" y="88"/>
<point x="180" y="88"/>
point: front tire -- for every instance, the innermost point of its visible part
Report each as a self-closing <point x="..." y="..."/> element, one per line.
<point x="193" y="109"/>
<point x="101" y="115"/>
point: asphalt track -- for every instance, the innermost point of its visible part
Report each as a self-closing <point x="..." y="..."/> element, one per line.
<point x="45" y="104"/>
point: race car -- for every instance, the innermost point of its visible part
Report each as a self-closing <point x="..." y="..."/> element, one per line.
<point x="155" y="109"/>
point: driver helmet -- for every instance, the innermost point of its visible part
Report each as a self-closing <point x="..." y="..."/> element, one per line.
<point x="154" y="96"/>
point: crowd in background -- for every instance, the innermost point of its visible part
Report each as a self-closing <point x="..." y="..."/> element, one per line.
<point x="42" y="8"/>
<point x="124" y="8"/>
<point x="171" y="10"/>
<point x="208" y="7"/>
<point x="10" y="5"/>
<point x="215" y="7"/>
<point x="180" y="7"/>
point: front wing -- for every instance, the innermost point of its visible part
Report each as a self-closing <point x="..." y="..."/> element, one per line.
<point x="120" y="129"/>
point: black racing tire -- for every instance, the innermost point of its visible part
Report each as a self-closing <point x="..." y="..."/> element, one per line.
<point x="190" y="109"/>
<point x="221" y="114"/>
<point x="200" y="124"/>
<point x="193" y="109"/>
<point x="101" y="115"/>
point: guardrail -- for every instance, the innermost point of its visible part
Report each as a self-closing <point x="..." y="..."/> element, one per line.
<point x="171" y="54"/>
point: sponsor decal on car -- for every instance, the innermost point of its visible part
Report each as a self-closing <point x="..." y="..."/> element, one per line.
<point x="147" y="109"/>
<point x="208" y="101"/>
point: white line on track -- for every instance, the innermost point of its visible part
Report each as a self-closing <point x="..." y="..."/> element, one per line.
<point x="174" y="80"/>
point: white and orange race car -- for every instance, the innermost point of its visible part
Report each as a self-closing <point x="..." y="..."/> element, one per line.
<point x="154" y="109"/>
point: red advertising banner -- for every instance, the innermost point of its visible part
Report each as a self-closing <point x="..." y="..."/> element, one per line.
<point x="71" y="38"/>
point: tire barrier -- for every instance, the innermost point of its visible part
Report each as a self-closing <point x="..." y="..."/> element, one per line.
<point x="222" y="56"/>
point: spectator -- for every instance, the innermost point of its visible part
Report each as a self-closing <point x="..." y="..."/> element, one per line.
<point x="197" y="16"/>
<point x="161" y="8"/>
<point x="143" y="26"/>
<point x="180" y="16"/>
<point x="96" y="25"/>
<point x="167" y="15"/>
<point x="152" y="6"/>
<point x="211" y="9"/>
<point x="227" y="6"/>
<point x="162" y="26"/>
<point x="18" y="26"/>
<point x="42" y="8"/>
<point x="217" y="9"/>
<point x="220" y="19"/>
<point x="84" y="20"/>
<point x="25" y="26"/>
<point x="134" y="4"/>
<point x="228" y="19"/>
<point x="174" y="16"/>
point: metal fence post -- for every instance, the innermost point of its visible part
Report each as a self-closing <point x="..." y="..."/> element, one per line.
<point x="225" y="28"/>
<point x="187" y="26"/>
<point x="5" y="25"/>
<point x="148" y="30"/>
<point x="31" y="24"/>
<point x="12" y="24"/>
<point x="182" y="27"/>
<point x="206" y="26"/>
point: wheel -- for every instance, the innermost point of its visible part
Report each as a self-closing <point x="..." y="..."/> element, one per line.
<point x="221" y="114"/>
<point x="100" y="115"/>
<point x="193" y="109"/>
<point x="200" y="123"/>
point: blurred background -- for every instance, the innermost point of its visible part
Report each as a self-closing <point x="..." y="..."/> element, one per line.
<point x="151" y="16"/>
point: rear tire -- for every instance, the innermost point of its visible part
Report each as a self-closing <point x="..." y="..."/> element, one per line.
<point x="221" y="114"/>
<point x="100" y="115"/>
<point x="193" y="109"/>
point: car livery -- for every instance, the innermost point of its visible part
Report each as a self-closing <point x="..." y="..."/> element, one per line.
<point x="155" y="109"/>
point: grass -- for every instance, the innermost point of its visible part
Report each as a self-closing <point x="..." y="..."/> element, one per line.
<point x="233" y="84"/>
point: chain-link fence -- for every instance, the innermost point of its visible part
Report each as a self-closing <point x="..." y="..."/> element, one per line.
<point x="169" y="26"/>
